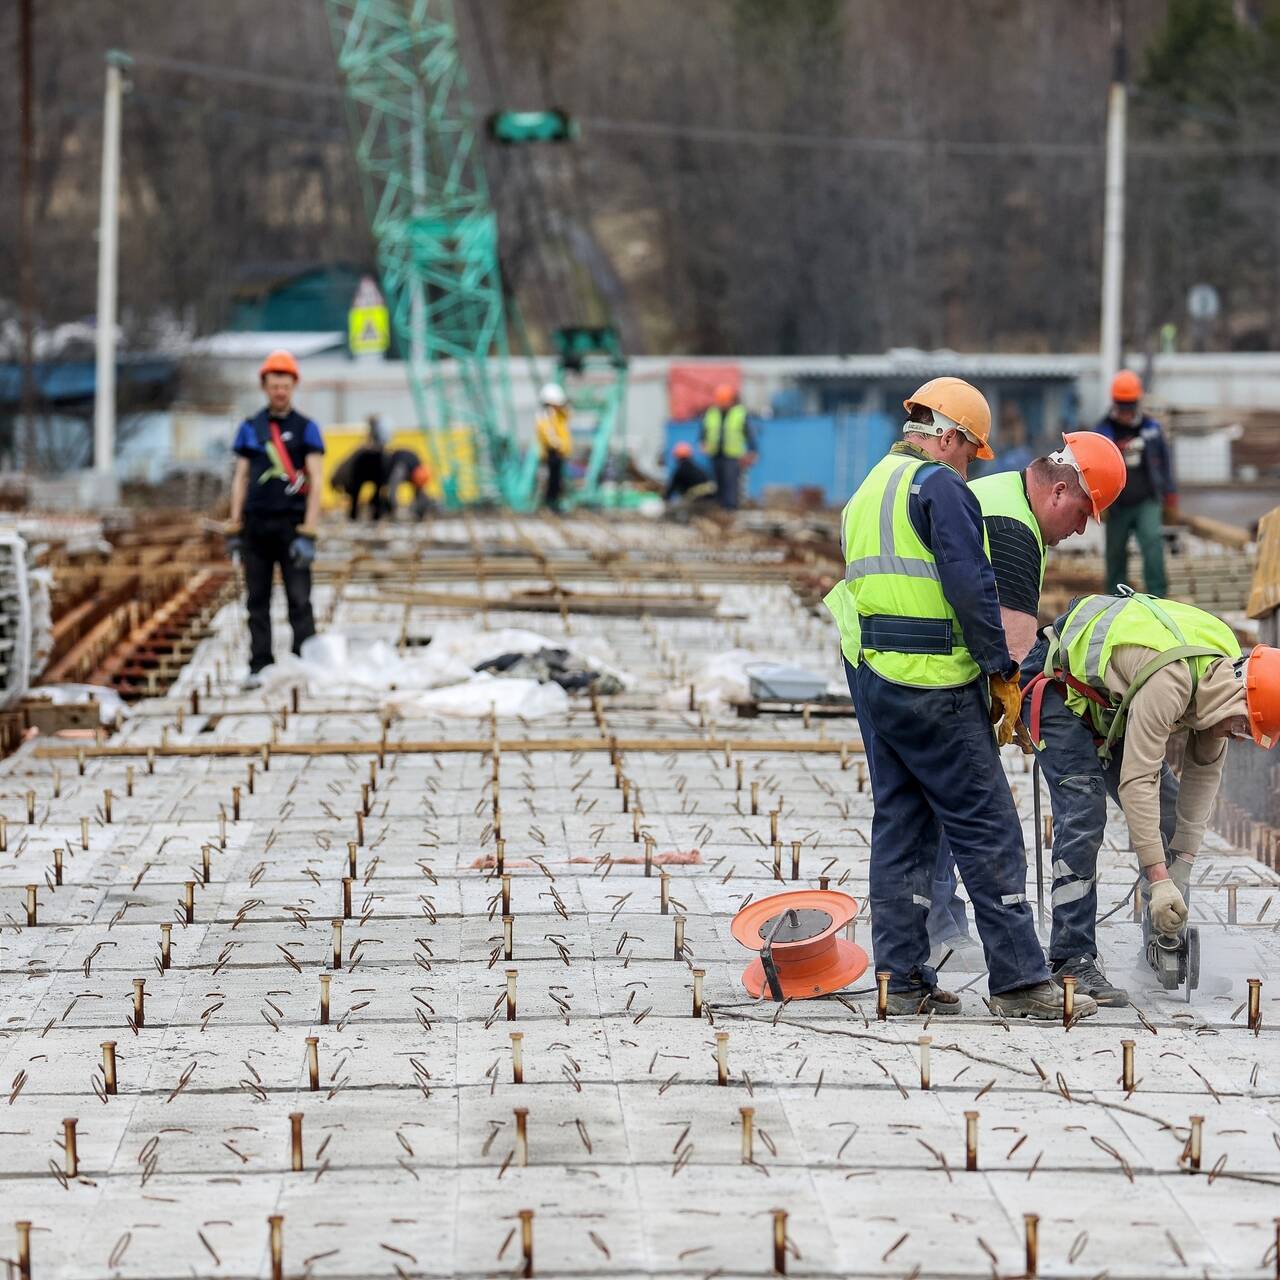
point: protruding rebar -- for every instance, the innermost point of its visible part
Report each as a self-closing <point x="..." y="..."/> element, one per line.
<point x="508" y="936"/>
<point x="722" y="1057"/>
<point x="84" y="833"/>
<point x="698" y="976"/>
<point x="276" y="1223"/>
<point x="1255" y="1004"/>
<point x="166" y="947"/>
<point x="522" y="1136"/>
<point x="511" y="994"/>
<point x="347" y="882"/>
<point x="295" y="1141"/>
<point x="1196" y="1142"/>
<point x="71" y="1156"/>
<point x="235" y="804"/>
<point x="325" y="980"/>
<point x="109" y="1066"/>
<point x="1068" y="1000"/>
<point x="517" y="1057"/>
<point x="882" y="995"/>
<point x="748" y="1118"/>
<point x="648" y="855"/>
<point x="205" y="864"/>
<point x="1231" y="903"/>
<point x="755" y="798"/>
<point x="24" y="1249"/>
<point x="664" y="893"/>
<point x="926" y="1072"/>
<point x="32" y="906"/>
<point x="336" y="927"/>
<point x="351" y="859"/>
<point x="189" y="901"/>
<point x="971" y="1140"/>
<point x="506" y="895"/>
<point x="313" y="1062"/>
<point x="1126" y="1070"/>
<point x="526" y="1241"/>
<point x="139" y="998"/>
<point x="773" y="824"/>
<point x="679" y="938"/>
<point x="795" y="859"/>
<point x="780" y="1241"/>
<point x="1031" y="1229"/>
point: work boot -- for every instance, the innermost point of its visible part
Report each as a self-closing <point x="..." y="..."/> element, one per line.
<point x="1041" y="1000"/>
<point x="922" y="1001"/>
<point x="251" y="682"/>
<point x="1090" y="981"/>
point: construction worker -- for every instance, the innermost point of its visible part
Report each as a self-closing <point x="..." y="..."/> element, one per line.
<point x="930" y="674"/>
<point x="689" y="488"/>
<point x="554" y="441"/>
<point x="365" y="466"/>
<point x="1150" y="496"/>
<point x="1024" y="513"/>
<point x="1121" y="675"/>
<point x="729" y="440"/>
<point x="275" y="509"/>
<point x="405" y="467"/>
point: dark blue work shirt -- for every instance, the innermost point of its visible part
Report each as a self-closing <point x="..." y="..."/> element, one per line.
<point x="945" y="514"/>
<point x="270" y="493"/>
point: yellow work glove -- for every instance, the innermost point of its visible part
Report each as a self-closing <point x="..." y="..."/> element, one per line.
<point x="1168" y="908"/>
<point x="1006" y="706"/>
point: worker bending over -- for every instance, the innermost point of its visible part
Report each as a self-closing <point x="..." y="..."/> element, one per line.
<point x="689" y="488"/>
<point x="1121" y="675"/>
<point x="1024" y="513"/>
<point x="930" y="673"/>
<point x="275" y="508"/>
<point x="554" y="440"/>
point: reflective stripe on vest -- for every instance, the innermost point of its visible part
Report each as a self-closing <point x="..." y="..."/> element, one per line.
<point x="735" y="432"/>
<point x="1098" y="624"/>
<point x="891" y="575"/>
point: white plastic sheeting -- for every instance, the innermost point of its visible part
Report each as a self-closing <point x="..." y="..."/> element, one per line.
<point x="484" y="695"/>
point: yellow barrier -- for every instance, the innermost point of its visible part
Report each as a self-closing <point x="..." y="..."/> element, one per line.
<point x="342" y="440"/>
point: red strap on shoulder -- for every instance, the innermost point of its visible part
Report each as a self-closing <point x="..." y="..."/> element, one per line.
<point x="297" y="481"/>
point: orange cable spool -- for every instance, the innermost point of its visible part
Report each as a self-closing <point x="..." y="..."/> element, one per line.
<point x="796" y="933"/>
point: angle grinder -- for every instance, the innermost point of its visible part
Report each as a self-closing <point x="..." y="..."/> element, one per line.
<point x="1175" y="959"/>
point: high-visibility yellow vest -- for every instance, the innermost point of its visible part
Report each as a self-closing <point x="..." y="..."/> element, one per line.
<point x="552" y="430"/>
<point x="1097" y="624"/>
<point x="734" y="425"/>
<point x="890" y="608"/>
<point x="1005" y="494"/>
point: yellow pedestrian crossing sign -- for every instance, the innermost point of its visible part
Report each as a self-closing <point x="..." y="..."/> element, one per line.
<point x="368" y="324"/>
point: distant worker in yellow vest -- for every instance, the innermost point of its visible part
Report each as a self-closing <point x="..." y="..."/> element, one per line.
<point x="554" y="441"/>
<point x="729" y="440"/>
<point x="930" y="674"/>
<point x="1120" y="675"/>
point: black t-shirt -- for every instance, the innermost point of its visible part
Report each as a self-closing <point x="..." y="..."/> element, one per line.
<point x="270" y="492"/>
<point x="1015" y="558"/>
<point x="1131" y="444"/>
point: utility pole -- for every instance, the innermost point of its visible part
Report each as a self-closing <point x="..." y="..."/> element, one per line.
<point x="104" y="397"/>
<point x="1113" y="217"/>
<point x="26" y="251"/>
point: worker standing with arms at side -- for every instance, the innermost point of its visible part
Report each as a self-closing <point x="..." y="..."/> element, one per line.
<point x="554" y="441"/>
<point x="930" y="673"/>
<point x="1120" y="676"/>
<point x="1149" y="497"/>
<point x="729" y="440"/>
<point x="275" y="509"/>
<point x="1024" y="513"/>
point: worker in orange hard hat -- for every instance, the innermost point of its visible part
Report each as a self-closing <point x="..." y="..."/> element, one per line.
<point x="929" y="671"/>
<point x="1122" y="675"/>
<point x="275" y="508"/>
<point x="730" y="440"/>
<point x="404" y="467"/>
<point x="1025" y="513"/>
<point x="690" y="489"/>
<point x="1150" y="497"/>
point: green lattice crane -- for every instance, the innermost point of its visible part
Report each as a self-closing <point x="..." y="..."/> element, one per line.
<point x="436" y="233"/>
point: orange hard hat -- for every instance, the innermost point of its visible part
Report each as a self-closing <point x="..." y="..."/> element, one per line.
<point x="420" y="476"/>
<point x="1100" y="464"/>
<point x="963" y="403"/>
<point x="683" y="450"/>
<point x="1126" y="387"/>
<point x="279" y="361"/>
<point x="1262" y="694"/>
<point x="725" y="395"/>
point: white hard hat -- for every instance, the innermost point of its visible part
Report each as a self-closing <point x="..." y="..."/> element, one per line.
<point x="553" y="393"/>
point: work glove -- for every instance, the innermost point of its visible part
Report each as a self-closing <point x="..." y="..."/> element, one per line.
<point x="233" y="540"/>
<point x="302" y="550"/>
<point x="1171" y="515"/>
<point x="1006" y="706"/>
<point x="1168" y="910"/>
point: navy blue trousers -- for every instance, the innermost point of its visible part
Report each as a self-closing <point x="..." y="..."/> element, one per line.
<point x="935" y="768"/>
<point x="1079" y="784"/>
